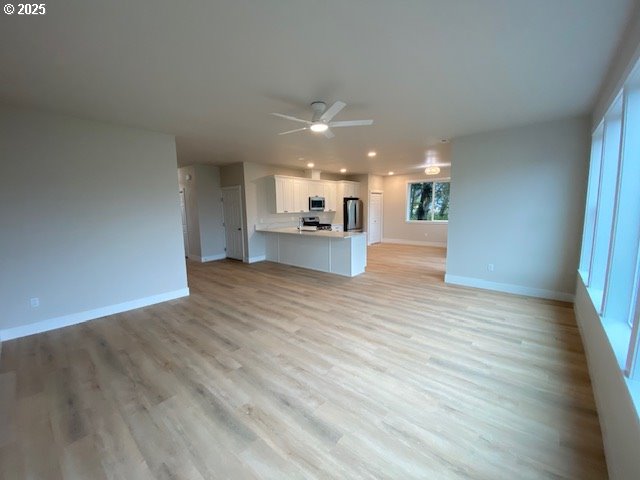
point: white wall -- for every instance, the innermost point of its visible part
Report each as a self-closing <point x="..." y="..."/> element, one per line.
<point x="376" y="183"/>
<point x="517" y="201"/>
<point x="90" y="220"/>
<point x="204" y="211"/>
<point x="232" y="175"/>
<point x="396" y="229"/>
<point x="627" y="54"/>
<point x="618" y="417"/>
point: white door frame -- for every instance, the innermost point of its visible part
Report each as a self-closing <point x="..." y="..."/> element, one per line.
<point x="238" y="188"/>
<point x="184" y="220"/>
<point x="381" y="193"/>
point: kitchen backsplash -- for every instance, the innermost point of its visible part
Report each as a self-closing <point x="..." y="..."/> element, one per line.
<point x="278" y="220"/>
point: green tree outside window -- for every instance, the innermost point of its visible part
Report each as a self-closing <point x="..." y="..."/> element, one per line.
<point x="428" y="201"/>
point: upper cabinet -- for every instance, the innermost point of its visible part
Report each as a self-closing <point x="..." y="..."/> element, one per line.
<point x="350" y="189"/>
<point x="285" y="202"/>
<point x="330" y="197"/>
<point x="301" y="195"/>
<point x="292" y="194"/>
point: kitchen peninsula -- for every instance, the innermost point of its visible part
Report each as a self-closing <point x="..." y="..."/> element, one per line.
<point x="341" y="253"/>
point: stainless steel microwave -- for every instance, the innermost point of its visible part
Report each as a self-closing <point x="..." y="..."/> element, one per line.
<point x="316" y="204"/>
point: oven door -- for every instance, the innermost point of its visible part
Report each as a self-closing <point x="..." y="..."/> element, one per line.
<point x="316" y="204"/>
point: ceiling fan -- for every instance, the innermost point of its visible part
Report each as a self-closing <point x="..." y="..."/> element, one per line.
<point x="321" y="120"/>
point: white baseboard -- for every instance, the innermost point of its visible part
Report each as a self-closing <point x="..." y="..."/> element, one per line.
<point x="80" y="317"/>
<point x="259" y="258"/>
<point x="211" y="258"/>
<point x="208" y="258"/>
<point x="508" y="288"/>
<point x="400" y="241"/>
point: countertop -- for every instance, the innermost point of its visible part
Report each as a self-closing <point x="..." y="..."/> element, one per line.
<point x="317" y="233"/>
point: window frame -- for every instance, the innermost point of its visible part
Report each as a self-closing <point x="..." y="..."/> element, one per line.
<point x="610" y="159"/>
<point x="407" y="205"/>
<point x="593" y="187"/>
<point x="623" y="333"/>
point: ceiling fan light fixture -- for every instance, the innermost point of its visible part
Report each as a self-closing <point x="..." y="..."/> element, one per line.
<point x="432" y="170"/>
<point x="319" y="127"/>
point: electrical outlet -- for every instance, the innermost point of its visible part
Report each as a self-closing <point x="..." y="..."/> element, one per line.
<point x="490" y="267"/>
<point x="35" y="302"/>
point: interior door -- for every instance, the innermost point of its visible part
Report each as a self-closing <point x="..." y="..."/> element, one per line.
<point x="185" y="228"/>
<point x="375" y="218"/>
<point x="232" y="205"/>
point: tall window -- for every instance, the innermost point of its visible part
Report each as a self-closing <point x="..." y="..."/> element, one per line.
<point x="610" y="258"/>
<point x="606" y="203"/>
<point x="428" y="201"/>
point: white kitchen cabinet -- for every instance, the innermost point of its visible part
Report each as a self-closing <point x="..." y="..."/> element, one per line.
<point x="347" y="189"/>
<point x="292" y="194"/>
<point x="285" y="201"/>
<point x="330" y="197"/>
<point x="351" y="189"/>
<point x="301" y="195"/>
<point x="316" y="188"/>
<point x="333" y="252"/>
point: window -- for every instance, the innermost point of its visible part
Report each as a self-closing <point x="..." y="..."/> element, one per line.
<point x="620" y="291"/>
<point x="606" y="203"/>
<point x="610" y="257"/>
<point x="428" y="201"/>
<point x="592" y="204"/>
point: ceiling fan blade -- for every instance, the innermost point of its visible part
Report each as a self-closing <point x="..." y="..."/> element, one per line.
<point x="293" y="131"/>
<point x="332" y="111"/>
<point x="351" y="123"/>
<point x="328" y="134"/>
<point x="289" y="117"/>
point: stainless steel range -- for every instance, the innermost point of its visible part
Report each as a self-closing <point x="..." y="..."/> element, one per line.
<point x="310" y="222"/>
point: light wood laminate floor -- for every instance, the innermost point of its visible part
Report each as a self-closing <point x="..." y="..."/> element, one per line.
<point x="269" y="371"/>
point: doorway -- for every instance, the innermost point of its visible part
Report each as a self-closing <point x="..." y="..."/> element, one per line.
<point x="375" y="217"/>
<point x="232" y="207"/>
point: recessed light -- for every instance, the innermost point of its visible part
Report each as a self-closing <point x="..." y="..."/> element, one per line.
<point x="371" y="154"/>
<point x="390" y="173"/>
<point x="310" y="165"/>
<point x="343" y="170"/>
<point x="432" y="170"/>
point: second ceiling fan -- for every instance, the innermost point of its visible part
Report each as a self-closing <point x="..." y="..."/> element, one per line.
<point x="321" y="120"/>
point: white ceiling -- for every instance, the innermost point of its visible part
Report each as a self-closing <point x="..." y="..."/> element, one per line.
<point x="210" y="72"/>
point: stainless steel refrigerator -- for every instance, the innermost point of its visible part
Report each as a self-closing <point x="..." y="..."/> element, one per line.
<point x="352" y="214"/>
